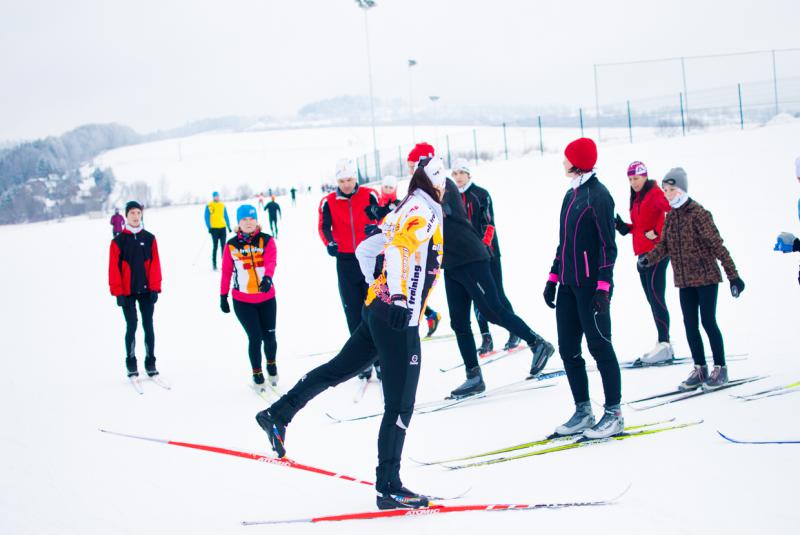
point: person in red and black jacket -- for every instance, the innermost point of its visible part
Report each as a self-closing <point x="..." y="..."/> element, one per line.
<point x="342" y="222"/>
<point x="134" y="275"/>
<point x="582" y="272"/>
<point x="480" y="211"/>
<point x="648" y="209"/>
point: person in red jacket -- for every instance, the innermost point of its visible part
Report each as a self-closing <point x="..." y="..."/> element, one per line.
<point x="134" y="276"/>
<point x="648" y="209"/>
<point x="343" y="218"/>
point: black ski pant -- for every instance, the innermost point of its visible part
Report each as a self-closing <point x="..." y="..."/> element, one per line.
<point x="217" y="239"/>
<point x="497" y="273"/>
<point x="702" y="300"/>
<point x="146" y="308"/>
<point x="400" y="357"/>
<point x="273" y="226"/>
<point x="575" y="318"/>
<point x="654" y="283"/>
<point x="474" y="283"/>
<point x="258" y="321"/>
<point x="352" y="288"/>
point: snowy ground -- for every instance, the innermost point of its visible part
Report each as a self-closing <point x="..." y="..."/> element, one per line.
<point x="64" y="377"/>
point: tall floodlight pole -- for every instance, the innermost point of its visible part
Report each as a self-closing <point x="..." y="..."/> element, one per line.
<point x="597" y="103"/>
<point x="685" y="92"/>
<point x="411" y="63"/>
<point x="366" y="5"/>
<point x="435" y="100"/>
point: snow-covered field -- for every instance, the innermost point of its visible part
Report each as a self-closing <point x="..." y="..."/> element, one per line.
<point x="64" y="376"/>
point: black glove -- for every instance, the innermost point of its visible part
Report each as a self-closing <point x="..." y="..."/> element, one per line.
<point x="737" y="287"/>
<point x="154" y="297"/>
<point x="601" y="302"/>
<point x="223" y="304"/>
<point x="796" y="245"/>
<point x="209" y="231"/>
<point x="550" y="294"/>
<point x="399" y="314"/>
<point x="333" y="249"/>
<point x="642" y="262"/>
<point x="371" y="230"/>
<point x="229" y="229"/>
<point x="621" y="226"/>
<point x="372" y="211"/>
<point x="266" y="284"/>
<point x="123" y="300"/>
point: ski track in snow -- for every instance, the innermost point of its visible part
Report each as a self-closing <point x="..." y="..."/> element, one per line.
<point x="64" y="375"/>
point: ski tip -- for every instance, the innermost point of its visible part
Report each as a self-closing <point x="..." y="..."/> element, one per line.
<point x="335" y="419"/>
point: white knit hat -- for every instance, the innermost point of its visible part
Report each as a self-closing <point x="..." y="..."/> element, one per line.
<point x="389" y="181"/>
<point x="346" y="168"/>
<point x="462" y="165"/>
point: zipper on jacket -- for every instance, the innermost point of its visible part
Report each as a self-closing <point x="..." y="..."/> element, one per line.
<point x="352" y="225"/>
<point x="566" y="234"/>
<point x="586" y="263"/>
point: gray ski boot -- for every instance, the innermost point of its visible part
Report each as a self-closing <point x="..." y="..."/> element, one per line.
<point x="612" y="423"/>
<point x="582" y="419"/>
<point x="718" y="378"/>
<point x="473" y="385"/>
<point x="695" y="379"/>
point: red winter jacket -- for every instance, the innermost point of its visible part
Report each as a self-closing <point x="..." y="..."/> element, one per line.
<point x="342" y="218"/>
<point x="133" y="264"/>
<point x="649" y="207"/>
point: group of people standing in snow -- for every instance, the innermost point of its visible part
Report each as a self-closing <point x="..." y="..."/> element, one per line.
<point x="389" y="255"/>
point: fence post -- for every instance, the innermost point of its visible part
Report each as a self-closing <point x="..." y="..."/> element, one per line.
<point x="378" y="164"/>
<point x="580" y="114"/>
<point x="475" y="144"/>
<point x="683" y="122"/>
<point x="505" y="140"/>
<point x="775" y="81"/>
<point x="541" y="139"/>
<point x="400" y="168"/>
<point x="630" y="125"/>
<point x="741" y="112"/>
<point x="449" y="160"/>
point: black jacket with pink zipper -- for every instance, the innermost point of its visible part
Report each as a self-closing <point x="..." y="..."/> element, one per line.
<point x="586" y="249"/>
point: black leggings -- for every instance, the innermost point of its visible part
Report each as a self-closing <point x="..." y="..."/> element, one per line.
<point x="470" y="283"/>
<point x="400" y="359"/>
<point x="146" y="307"/>
<point x="703" y="300"/>
<point x="273" y="226"/>
<point x="258" y="320"/>
<point x="217" y="239"/>
<point x="654" y="283"/>
<point x="575" y="318"/>
<point x="497" y="273"/>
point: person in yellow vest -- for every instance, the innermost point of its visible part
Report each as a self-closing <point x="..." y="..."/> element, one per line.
<point x="217" y="221"/>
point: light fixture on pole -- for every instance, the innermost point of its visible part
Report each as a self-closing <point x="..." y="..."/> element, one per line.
<point x="411" y="63"/>
<point x="366" y="5"/>
<point x="435" y="100"/>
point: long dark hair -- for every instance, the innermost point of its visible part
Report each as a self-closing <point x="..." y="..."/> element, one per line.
<point x="420" y="181"/>
<point x="648" y="185"/>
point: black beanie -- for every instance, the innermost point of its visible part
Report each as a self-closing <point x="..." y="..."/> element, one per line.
<point x="131" y="205"/>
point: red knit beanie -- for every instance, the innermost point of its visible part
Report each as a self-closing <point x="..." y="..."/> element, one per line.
<point x="420" y="150"/>
<point x="582" y="153"/>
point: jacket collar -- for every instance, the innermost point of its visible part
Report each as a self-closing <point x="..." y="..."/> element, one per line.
<point x="344" y="197"/>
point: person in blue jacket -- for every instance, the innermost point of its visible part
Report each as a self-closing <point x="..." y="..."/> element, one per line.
<point x="217" y="221"/>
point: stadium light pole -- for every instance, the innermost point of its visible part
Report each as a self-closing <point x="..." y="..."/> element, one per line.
<point x="366" y="5"/>
<point x="411" y="63"/>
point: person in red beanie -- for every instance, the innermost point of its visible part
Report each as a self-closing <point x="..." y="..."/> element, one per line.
<point x="582" y="276"/>
<point x="648" y="209"/>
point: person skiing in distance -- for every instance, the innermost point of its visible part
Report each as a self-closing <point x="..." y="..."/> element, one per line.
<point x="579" y="287"/>
<point x="117" y="223"/>
<point x="387" y="201"/>
<point x="693" y="242"/>
<point x="480" y="211"/>
<point x="216" y="217"/>
<point x="342" y="222"/>
<point x="648" y="208"/>
<point x="274" y="212"/>
<point x="411" y="244"/>
<point x="134" y="276"/>
<point x="293" y="193"/>
<point x="249" y="258"/>
<point x="468" y="279"/>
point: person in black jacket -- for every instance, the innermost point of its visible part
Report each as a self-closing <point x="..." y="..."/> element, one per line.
<point x="468" y="279"/>
<point x="582" y="273"/>
<point x="480" y="211"/>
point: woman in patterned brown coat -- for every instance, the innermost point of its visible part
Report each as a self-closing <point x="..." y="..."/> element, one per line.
<point x="692" y="240"/>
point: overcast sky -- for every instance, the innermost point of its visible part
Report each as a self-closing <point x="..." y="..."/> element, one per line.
<point x="157" y="64"/>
